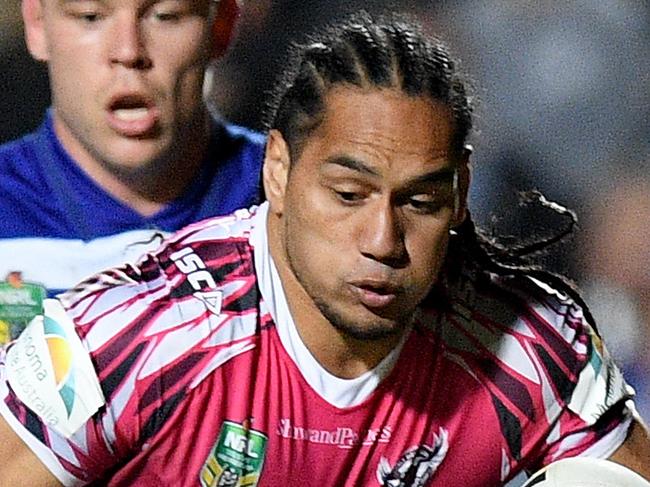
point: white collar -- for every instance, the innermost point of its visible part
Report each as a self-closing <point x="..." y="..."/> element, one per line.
<point x="338" y="392"/>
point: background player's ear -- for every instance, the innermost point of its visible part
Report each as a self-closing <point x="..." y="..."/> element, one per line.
<point x="32" y="11"/>
<point x="224" y="24"/>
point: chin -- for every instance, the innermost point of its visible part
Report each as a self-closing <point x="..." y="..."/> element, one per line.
<point x="365" y="326"/>
<point x="134" y="162"/>
<point x="368" y="333"/>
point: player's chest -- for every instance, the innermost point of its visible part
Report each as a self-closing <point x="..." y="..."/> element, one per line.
<point x="414" y="430"/>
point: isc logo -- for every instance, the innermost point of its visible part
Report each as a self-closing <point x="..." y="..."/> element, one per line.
<point x="199" y="278"/>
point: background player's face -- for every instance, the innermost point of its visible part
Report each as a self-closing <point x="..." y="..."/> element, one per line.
<point x="126" y="75"/>
<point x="368" y="207"/>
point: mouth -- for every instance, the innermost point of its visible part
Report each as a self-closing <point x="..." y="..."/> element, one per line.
<point x="133" y="115"/>
<point x="376" y="293"/>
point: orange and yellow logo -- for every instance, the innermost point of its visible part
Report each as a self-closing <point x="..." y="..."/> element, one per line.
<point x="62" y="361"/>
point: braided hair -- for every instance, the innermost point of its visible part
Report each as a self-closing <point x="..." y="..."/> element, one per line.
<point x="393" y="52"/>
<point x="365" y="53"/>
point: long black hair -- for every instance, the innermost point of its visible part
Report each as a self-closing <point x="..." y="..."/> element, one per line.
<point x="393" y="52"/>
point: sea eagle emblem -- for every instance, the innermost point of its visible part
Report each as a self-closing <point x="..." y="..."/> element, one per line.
<point x="416" y="467"/>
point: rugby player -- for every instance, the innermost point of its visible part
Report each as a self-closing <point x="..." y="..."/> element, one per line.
<point x="353" y="330"/>
<point x="129" y="147"/>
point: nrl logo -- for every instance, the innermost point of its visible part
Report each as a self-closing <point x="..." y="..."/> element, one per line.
<point x="236" y="460"/>
<point x="417" y="465"/>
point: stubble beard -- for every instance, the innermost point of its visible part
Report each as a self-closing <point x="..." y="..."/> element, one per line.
<point x="370" y="332"/>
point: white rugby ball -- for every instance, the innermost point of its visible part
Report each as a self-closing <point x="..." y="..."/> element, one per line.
<point x="585" y="472"/>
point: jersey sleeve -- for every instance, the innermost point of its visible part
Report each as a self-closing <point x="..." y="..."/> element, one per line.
<point x="122" y="352"/>
<point x="61" y="380"/>
<point x="588" y="404"/>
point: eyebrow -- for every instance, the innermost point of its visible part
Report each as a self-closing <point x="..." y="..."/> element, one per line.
<point x="439" y="175"/>
<point x="63" y="3"/>
<point x="353" y="164"/>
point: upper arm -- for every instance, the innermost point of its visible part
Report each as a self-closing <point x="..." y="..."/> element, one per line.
<point x="586" y="406"/>
<point x="19" y="465"/>
<point x="634" y="453"/>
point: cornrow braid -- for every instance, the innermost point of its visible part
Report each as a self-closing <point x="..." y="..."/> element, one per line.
<point x="367" y="53"/>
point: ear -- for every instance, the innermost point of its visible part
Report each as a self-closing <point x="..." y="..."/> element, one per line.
<point x="275" y="172"/>
<point x="464" y="179"/>
<point x="35" y="37"/>
<point x="223" y="25"/>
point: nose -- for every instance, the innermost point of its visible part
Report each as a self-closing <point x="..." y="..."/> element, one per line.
<point x="127" y="43"/>
<point x="382" y="236"/>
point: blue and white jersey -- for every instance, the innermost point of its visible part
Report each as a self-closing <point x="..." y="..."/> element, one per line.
<point x="57" y="226"/>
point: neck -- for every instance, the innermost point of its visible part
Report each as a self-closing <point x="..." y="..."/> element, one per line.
<point x="150" y="187"/>
<point x="340" y="354"/>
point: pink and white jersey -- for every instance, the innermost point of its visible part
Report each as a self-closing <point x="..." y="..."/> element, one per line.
<point x="203" y="380"/>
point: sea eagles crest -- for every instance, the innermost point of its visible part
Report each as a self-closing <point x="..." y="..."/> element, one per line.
<point x="417" y="465"/>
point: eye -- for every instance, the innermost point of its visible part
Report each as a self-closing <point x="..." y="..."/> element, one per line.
<point x="170" y="10"/>
<point x="426" y="203"/>
<point x="348" y="196"/>
<point x="424" y="206"/>
<point x="347" y="193"/>
<point x="85" y="11"/>
<point x="166" y="15"/>
<point x="87" y="16"/>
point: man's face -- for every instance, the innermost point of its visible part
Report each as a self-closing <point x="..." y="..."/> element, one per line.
<point x="126" y="75"/>
<point x="368" y="206"/>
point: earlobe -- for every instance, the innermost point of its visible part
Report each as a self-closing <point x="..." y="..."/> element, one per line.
<point x="275" y="171"/>
<point x="32" y="11"/>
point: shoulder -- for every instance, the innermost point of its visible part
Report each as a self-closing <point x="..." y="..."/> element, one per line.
<point x="521" y="300"/>
<point x="23" y="189"/>
<point x="236" y="155"/>
<point x="528" y="320"/>
<point x="147" y="335"/>
<point x="169" y="314"/>
<point x="30" y="146"/>
<point x="527" y="341"/>
<point x="18" y="157"/>
<point x="234" y="139"/>
<point x="243" y="146"/>
<point x="246" y="135"/>
<point x="532" y="330"/>
<point x="169" y="273"/>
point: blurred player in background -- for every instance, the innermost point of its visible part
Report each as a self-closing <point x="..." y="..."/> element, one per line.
<point x="128" y="149"/>
<point x="353" y="330"/>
